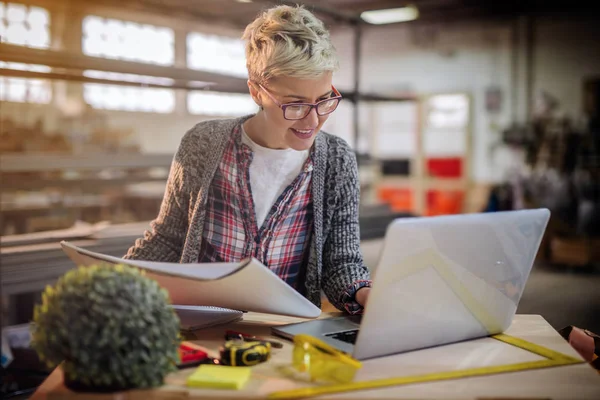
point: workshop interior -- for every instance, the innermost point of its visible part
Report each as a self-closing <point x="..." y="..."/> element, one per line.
<point x="450" y="107"/>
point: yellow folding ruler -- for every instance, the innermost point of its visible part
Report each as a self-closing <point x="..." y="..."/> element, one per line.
<point x="430" y="259"/>
<point x="553" y="359"/>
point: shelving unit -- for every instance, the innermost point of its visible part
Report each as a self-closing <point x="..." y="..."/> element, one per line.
<point x="53" y="191"/>
<point x="431" y="152"/>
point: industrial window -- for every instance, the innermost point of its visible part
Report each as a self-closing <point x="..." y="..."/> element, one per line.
<point x="129" y="41"/>
<point x="221" y="55"/>
<point x="122" y="40"/>
<point x="129" y="98"/>
<point x="218" y="54"/>
<point x="23" y="90"/>
<point x="28" y="26"/>
<point x="24" y="25"/>
<point x="220" y="104"/>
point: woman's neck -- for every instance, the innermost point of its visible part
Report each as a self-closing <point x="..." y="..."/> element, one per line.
<point x="258" y="131"/>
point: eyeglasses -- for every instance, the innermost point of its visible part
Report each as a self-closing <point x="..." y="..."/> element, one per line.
<point x="321" y="361"/>
<point x="295" y="111"/>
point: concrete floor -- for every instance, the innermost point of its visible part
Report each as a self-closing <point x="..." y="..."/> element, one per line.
<point x="563" y="296"/>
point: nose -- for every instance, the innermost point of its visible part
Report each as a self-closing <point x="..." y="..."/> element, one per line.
<point x="312" y="118"/>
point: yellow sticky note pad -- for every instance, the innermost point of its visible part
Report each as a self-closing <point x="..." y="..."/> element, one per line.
<point x="219" y="377"/>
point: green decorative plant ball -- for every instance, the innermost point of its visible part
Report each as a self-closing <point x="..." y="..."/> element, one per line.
<point x="111" y="327"/>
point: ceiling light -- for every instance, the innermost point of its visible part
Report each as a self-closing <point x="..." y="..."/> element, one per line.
<point x="244" y="1"/>
<point x="389" y="16"/>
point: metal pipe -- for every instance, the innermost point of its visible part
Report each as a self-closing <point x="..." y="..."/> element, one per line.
<point x="357" y="58"/>
<point x="317" y="9"/>
<point x="530" y="64"/>
<point x="515" y="69"/>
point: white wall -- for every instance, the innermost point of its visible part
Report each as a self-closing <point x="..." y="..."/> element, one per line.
<point x="405" y="59"/>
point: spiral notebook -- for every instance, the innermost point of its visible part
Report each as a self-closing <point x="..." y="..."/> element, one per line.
<point x="198" y="317"/>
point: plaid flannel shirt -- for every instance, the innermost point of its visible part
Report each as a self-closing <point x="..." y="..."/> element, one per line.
<point x="231" y="232"/>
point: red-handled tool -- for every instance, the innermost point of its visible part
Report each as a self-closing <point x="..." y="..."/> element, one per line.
<point x="192" y="355"/>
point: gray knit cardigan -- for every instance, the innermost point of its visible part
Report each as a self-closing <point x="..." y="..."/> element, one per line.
<point x="335" y="260"/>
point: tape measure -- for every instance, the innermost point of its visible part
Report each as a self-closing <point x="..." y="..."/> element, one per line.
<point x="553" y="359"/>
<point x="241" y="353"/>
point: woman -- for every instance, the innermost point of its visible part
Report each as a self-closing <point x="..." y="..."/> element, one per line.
<point x="271" y="185"/>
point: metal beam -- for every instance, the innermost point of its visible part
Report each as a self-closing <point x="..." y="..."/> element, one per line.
<point x="177" y="84"/>
<point x="318" y="9"/>
<point x="357" y="57"/>
<point x="70" y="61"/>
<point x="31" y="162"/>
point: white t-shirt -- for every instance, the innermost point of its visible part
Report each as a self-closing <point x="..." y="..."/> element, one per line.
<point x="271" y="171"/>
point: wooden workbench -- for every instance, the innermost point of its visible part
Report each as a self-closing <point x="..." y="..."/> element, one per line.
<point x="578" y="381"/>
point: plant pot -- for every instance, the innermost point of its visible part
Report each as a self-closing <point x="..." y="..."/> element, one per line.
<point x="81" y="387"/>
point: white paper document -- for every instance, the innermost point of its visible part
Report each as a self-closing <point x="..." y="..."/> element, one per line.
<point x="246" y="286"/>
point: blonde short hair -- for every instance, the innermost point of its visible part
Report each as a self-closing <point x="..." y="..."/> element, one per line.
<point x="288" y="41"/>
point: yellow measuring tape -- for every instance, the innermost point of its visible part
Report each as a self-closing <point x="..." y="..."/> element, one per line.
<point x="553" y="359"/>
<point x="426" y="259"/>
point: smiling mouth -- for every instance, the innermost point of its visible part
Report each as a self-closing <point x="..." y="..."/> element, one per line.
<point x="303" y="133"/>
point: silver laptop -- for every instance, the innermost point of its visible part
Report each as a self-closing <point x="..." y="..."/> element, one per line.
<point x="439" y="280"/>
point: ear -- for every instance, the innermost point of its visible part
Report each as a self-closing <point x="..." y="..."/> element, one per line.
<point x="255" y="93"/>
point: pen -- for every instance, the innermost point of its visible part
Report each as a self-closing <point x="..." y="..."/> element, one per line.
<point x="229" y="335"/>
<point x="191" y="364"/>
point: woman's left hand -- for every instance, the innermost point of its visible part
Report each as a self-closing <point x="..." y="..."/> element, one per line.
<point x="362" y="295"/>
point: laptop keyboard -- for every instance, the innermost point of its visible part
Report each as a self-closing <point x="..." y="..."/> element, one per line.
<point x="345" y="336"/>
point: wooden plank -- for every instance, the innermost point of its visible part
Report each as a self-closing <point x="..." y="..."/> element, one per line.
<point x="80" y="183"/>
<point x="37" y="162"/>
<point x="31" y="267"/>
<point x="72" y="61"/>
<point x="176" y="84"/>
